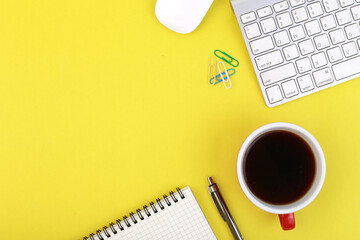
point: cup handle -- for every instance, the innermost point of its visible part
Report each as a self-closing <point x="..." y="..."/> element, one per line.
<point x="287" y="221"/>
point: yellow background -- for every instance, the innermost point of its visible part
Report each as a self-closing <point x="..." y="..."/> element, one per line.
<point x="102" y="109"/>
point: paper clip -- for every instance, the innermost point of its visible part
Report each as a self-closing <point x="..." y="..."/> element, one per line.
<point x="229" y="59"/>
<point x="212" y="68"/>
<point x="230" y="71"/>
<point x="227" y="80"/>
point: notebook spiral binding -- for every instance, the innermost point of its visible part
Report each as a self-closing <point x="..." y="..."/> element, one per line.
<point x="126" y="222"/>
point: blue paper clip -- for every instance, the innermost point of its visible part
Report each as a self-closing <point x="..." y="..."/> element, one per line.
<point x="230" y="71"/>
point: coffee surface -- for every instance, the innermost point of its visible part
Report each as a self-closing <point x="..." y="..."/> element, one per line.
<point x="279" y="167"/>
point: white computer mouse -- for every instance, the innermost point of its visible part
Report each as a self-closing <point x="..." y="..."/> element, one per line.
<point x="182" y="16"/>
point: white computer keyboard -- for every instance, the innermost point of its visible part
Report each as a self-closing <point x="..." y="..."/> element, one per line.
<point x="299" y="47"/>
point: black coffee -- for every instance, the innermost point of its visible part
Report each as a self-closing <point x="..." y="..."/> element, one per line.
<point x="279" y="167"/>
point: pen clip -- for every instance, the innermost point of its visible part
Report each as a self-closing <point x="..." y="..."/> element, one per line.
<point x="218" y="206"/>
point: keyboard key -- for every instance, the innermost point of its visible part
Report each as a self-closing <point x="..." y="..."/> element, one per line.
<point x="352" y="31"/>
<point x="264" y="12"/>
<point x="297" y="33"/>
<point x="274" y="94"/>
<point x="284" y="20"/>
<point x="305" y="83"/>
<point x="347" y="69"/>
<point x="319" y="60"/>
<point x="343" y="17"/>
<point x="277" y="74"/>
<point x="322" y="77"/>
<point x="322" y="42"/>
<point x="330" y="5"/>
<point x="337" y="36"/>
<point x="334" y="54"/>
<point x="356" y="12"/>
<point x="281" y="38"/>
<point x="291" y="52"/>
<point x="252" y="31"/>
<point x="358" y="41"/>
<point x="350" y="49"/>
<point x="300" y="15"/>
<point x="268" y="25"/>
<point x="281" y="6"/>
<point x="290" y="89"/>
<point x="303" y="65"/>
<point x="315" y="9"/>
<point x="346" y="3"/>
<point x="269" y="60"/>
<point x="312" y="27"/>
<point x="328" y="22"/>
<point x="262" y="45"/>
<point x="249" y="17"/>
<point x="295" y="3"/>
<point x="306" y="47"/>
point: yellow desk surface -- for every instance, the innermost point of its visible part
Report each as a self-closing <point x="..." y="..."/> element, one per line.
<point x="102" y="109"/>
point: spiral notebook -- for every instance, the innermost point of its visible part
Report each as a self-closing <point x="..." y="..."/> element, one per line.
<point x="176" y="216"/>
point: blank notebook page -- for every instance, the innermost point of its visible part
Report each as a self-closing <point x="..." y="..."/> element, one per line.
<point x="180" y="218"/>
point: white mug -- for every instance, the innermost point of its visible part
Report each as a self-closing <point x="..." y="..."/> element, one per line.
<point x="285" y="212"/>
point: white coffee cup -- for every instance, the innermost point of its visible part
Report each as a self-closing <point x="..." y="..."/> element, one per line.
<point x="286" y="212"/>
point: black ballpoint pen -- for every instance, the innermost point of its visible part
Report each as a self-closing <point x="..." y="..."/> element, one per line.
<point x="222" y="208"/>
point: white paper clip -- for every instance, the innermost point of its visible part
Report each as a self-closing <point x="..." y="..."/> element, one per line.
<point x="227" y="81"/>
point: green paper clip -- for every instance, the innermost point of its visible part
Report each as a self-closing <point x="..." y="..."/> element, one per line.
<point x="229" y="59"/>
